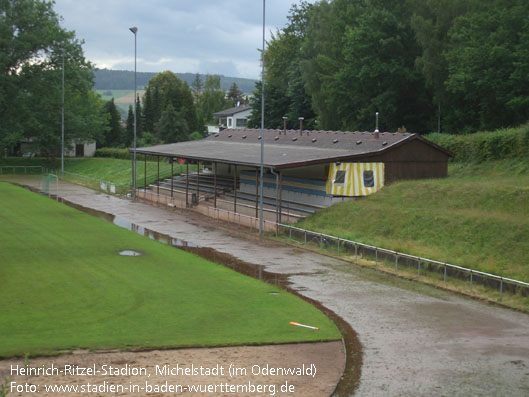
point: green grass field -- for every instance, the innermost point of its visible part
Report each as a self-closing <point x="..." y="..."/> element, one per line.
<point x="64" y="287"/>
<point x="478" y="217"/>
<point x="106" y="169"/>
<point x="119" y="171"/>
<point x="109" y="94"/>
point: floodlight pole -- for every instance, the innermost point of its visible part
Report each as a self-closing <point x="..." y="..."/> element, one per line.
<point x="62" y="120"/>
<point x="134" y="30"/>
<point x="262" y="126"/>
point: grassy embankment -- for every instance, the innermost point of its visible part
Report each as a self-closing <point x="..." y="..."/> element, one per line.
<point x="64" y="287"/>
<point x="89" y="171"/>
<point x="478" y="217"/>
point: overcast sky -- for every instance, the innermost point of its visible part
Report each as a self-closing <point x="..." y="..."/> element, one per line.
<point x="205" y="36"/>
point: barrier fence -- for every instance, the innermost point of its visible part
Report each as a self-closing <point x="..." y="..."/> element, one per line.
<point x="402" y="262"/>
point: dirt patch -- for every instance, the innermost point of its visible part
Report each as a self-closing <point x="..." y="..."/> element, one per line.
<point x="132" y="373"/>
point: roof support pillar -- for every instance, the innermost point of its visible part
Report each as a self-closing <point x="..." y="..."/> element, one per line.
<point x="187" y="183"/>
<point x="235" y="189"/>
<point x="158" y="177"/>
<point x="172" y="169"/>
<point x="198" y="180"/>
<point x="277" y="199"/>
<point x="215" y="185"/>
<point x="280" y="194"/>
<point x="256" y="193"/>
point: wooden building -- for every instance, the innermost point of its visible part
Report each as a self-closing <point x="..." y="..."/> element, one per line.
<point x="315" y="168"/>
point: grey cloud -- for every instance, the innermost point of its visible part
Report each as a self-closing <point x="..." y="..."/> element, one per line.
<point x="213" y="36"/>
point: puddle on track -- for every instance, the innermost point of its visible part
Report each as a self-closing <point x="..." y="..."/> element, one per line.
<point x="351" y="376"/>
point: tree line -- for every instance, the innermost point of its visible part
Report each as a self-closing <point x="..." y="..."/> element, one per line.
<point x="453" y="65"/>
<point x="106" y="79"/>
<point x="170" y="111"/>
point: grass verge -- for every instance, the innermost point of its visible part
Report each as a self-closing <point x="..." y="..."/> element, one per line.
<point x="65" y="287"/>
<point x="511" y="297"/>
<point x="89" y="171"/>
<point x="478" y="217"/>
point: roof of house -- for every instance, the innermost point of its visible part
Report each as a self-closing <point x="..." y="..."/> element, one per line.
<point x="243" y="147"/>
<point x="231" y="111"/>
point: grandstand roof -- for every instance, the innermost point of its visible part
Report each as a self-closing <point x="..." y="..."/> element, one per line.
<point x="243" y="147"/>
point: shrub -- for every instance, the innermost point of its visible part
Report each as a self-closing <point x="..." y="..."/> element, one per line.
<point x="116" y="153"/>
<point x="487" y="145"/>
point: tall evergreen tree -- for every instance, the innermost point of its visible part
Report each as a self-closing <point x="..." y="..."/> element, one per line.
<point x="197" y="87"/>
<point x="114" y="136"/>
<point x="213" y="98"/>
<point x="172" y="126"/>
<point x="235" y="95"/>
<point x="139" y="118"/>
<point x="129" y="130"/>
<point x="148" y="110"/>
<point x="166" y="89"/>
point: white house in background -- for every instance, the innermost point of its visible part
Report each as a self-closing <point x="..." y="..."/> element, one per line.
<point x="80" y="148"/>
<point x="236" y="117"/>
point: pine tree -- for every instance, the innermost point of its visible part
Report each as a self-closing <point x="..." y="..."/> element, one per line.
<point x="139" y="118"/>
<point x="114" y="135"/>
<point x="197" y="87"/>
<point x="172" y="126"/>
<point x="129" y="130"/>
<point x="235" y="95"/>
<point x="148" y="111"/>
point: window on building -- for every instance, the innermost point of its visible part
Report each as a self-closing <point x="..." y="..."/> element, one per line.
<point x="240" y="122"/>
<point x="369" y="179"/>
<point x="339" y="177"/>
<point x="229" y="122"/>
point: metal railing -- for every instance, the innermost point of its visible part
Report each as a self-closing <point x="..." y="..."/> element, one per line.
<point x="234" y="217"/>
<point x="401" y="261"/>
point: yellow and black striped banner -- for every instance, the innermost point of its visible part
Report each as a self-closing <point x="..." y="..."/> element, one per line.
<point x="355" y="179"/>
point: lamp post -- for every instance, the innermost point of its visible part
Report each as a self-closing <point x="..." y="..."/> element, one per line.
<point x="62" y="120"/>
<point x="134" y="30"/>
<point x="262" y="128"/>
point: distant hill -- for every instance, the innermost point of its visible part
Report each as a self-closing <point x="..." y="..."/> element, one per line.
<point x="124" y="79"/>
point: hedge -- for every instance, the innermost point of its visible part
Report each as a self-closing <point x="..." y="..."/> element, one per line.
<point x="123" y="154"/>
<point x="488" y="145"/>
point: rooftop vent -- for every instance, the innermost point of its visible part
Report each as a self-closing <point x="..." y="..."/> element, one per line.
<point x="294" y="139"/>
<point x="314" y="140"/>
<point x="335" y="141"/>
<point x="244" y="137"/>
<point x="259" y="137"/>
<point x="216" y="135"/>
<point x="384" y="143"/>
<point x="358" y="142"/>
<point x="229" y="136"/>
<point x="276" y="138"/>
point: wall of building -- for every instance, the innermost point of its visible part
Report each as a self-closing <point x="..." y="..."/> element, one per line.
<point x="412" y="160"/>
<point x="232" y="120"/>
<point x="89" y="149"/>
<point x="298" y="190"/>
